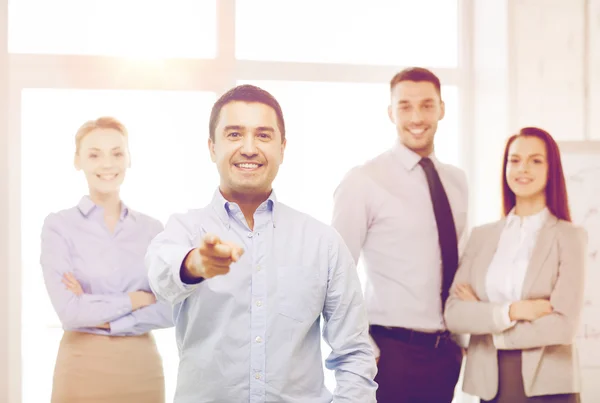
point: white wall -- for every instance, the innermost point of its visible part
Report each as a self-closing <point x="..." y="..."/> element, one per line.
<point x="490" y="113"/>
<point x="536" y="63"/>
<point x="4" y="197"/>
<point x="549" y="69"/>
<point x="593" y="71"/>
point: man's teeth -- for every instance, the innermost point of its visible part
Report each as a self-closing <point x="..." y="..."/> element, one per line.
<point x="417" y="131"/>
<point x="107" y="177"/>
<point x="248" y="166"/>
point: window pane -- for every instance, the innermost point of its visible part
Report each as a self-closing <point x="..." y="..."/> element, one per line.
<point x="169" y="154"/>
<point x="377" y="32"/>
<point x="173" y="28"/>
<point x="331" y="127"/>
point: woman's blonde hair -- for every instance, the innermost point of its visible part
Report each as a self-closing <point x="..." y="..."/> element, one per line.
<point x="105" y="122"/>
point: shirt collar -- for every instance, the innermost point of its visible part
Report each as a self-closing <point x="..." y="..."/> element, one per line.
<point x="407" y="157"/>
<point x="533" y="222"/>
<point x="87" y="206"/>
<point x="225" y="208"/>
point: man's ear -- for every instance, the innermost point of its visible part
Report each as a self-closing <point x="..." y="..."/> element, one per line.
<point x="443" y="110"/>
<point x="390" y="115"/>
<point x="283" y="144"/>
<point x="211" y="149"/>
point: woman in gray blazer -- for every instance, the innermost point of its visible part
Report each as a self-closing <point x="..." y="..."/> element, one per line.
<point x="519" y="289"/>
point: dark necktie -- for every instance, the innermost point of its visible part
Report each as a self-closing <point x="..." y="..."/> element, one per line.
<point x="445" y="225"/>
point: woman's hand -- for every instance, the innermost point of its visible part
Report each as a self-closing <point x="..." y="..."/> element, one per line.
<point x="465" y="292"/>
<point x="529" y="310"/>
<point x="141" y="299"/>
<point x="72" y="284"/>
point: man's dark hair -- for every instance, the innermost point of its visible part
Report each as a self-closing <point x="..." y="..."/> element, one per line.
<point x="245" y="93"/>
<point x="417" y="74"/>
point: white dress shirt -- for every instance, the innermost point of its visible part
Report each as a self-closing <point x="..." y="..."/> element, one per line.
<point x="506" y="274"/>
<point x="384" y="210"/>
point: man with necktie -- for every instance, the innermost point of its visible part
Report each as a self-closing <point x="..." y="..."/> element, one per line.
<point x="404" y="211"/>
<point x="250" y="278"/>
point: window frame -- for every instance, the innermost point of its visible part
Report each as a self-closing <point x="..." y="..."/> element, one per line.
<point x="216" y="75"/>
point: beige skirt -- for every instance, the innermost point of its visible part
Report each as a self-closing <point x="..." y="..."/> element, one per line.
<point x="101" y="369"/>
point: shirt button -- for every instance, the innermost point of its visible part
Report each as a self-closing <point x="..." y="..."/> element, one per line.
<point x="258" y="303"/>
<point x="249" y="234"/>
<point x="258" y="339"/>
<point x="257" y="268"/>
<point x="257" y="376"/>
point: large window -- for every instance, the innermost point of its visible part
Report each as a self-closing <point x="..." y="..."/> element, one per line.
<point x="384" y="32"/>
<point x="60" y="77"/>
<point x="168" y="145"/>
<point x="128" y="28"/>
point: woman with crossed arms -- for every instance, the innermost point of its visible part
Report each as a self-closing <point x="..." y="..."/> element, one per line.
<point x="92" y="258"/>
<point x="519" y="289"/>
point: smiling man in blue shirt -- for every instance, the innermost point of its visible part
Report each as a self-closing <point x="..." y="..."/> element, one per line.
<point x="250" y="278"/>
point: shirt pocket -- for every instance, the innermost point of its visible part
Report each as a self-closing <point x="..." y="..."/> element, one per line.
<point x="298" y="293"/>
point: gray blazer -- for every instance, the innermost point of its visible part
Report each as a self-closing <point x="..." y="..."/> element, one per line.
<point x="556" y="271"/>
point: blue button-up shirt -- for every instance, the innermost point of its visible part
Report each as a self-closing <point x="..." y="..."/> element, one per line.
<point x="253" y="335"/>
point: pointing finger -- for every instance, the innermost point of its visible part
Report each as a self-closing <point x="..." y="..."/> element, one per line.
<point x="222" y="250"/>
<point x="211" y="239"/>
<point x="237" y="254"/>
<point x="236" y="251"/>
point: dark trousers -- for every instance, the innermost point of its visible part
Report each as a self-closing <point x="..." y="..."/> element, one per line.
<point x="510" y="383"/>
<point x="415" y="373"/>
